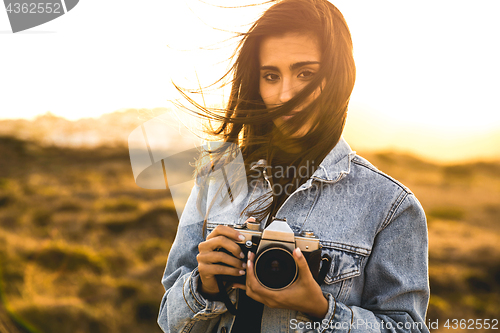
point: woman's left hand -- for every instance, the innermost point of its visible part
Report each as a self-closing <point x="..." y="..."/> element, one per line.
<point x="303" y="295"/>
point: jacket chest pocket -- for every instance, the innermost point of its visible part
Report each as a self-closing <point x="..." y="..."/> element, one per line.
<point x="345" y="266"/>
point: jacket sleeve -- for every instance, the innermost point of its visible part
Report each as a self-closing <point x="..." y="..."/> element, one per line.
<point x="182" y="308"/>
<point x="396" y="289"/>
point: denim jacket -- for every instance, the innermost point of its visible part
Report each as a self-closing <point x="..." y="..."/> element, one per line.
<point x="373" y="228"/>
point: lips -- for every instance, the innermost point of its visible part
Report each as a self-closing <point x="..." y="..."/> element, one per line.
<point x="291" y="115"/>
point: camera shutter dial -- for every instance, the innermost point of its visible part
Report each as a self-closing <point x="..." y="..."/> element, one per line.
<point x="307" y="233"/>
<point x="253" y="226"/>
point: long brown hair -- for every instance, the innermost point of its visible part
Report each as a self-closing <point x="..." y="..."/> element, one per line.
<point x="246" y="122"/>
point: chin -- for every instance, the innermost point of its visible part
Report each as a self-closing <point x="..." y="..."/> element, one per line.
<point x="300" y="133"/>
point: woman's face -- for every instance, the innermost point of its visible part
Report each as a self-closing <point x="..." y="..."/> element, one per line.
<point x="287" y="64"/>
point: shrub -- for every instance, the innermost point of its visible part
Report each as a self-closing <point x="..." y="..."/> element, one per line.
<point x="5" y="200"/>
<point x="57" y="257"/>
<point x="121" y="205"/>
<point x="147" y="310"/>
<point x="69" y="206"/>
<point x="117" y="263"/>
<point x="152" y="247"/>
<point x="128" y="289"/>
<point x="42" y="217"/>
<point x="447" y="213"/>
<point x="62" y="318"/>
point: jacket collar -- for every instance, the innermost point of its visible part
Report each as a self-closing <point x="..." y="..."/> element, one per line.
<point x="336" y="164"/>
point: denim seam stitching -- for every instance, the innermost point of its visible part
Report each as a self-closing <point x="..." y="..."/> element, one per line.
<point x="393" y="211"/>
<point x="342" y="288"/>
<point x="352" y="319"/>
<point x="346" y="247"/>
<point x="395" y="181"/>
<point x="394" y="207"/>
<point x="310" y="210"/>
<point x="183" y="295"/>
<point x="347" y="290"/>
<point x="389" y="213"/>
<point x="188" y="327"/>
<point x="342" y="173"/>
<point x="334" y="310"/>
<point x="343" y="276"/>
<point x="401" y="313"/>
<point x="326" y="172"/>
<point x="194" y="295"/>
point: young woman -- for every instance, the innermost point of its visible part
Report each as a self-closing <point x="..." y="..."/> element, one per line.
<point x="292" y="80"/>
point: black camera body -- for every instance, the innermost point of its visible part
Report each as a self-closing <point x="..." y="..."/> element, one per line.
<point x="274" y="265"/>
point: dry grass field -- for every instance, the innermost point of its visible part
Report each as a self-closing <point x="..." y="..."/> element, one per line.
<point x="462" y="205"/>
<point x="82" y="248"/>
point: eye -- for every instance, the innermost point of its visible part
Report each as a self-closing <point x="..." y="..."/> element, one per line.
<point x="306" y="74"/>
<point x="271" y="77"/>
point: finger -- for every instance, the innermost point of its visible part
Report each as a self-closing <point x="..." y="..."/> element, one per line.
<point x="223" y="230"/>
<point x="253" y="287"/>
<point x="304" y="271"/>
<point x="208" y="270"/>
<point x="221" y="242"/>
<point x="239" y="286"/>
<point x="250" y="258"/>
<point x="251" y="281"/>
<point x="216" y="257"/>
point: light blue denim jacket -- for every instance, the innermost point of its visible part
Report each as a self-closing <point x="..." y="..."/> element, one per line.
<point x="371" y="225"/>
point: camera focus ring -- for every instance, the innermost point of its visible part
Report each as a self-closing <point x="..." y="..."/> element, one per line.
<point x="275" y="268"/>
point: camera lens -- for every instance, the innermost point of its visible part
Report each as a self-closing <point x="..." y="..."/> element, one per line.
<point x="275" y="268"/>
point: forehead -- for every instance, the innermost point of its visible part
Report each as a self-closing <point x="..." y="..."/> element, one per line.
<point x="288" y="49"/>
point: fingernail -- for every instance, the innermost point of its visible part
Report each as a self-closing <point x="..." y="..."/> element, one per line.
<point x="241" y="237"/>
<point x="242" y="255"/>
<point x="242" y="272"/>
<point x="244" y="265"/>
<point x="299" y="253"/>
<point x="248" y="263"/>
<point x="252" y="218"/>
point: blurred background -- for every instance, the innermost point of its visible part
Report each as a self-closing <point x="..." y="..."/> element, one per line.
<point x="83" y="248"/>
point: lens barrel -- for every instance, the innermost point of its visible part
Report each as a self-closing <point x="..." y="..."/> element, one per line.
<point x="275" y="268"/>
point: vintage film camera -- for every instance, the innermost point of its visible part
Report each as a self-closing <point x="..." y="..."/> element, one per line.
<point x="274" y="265"/>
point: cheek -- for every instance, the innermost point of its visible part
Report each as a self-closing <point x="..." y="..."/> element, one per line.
<point x="266" y="94"/>
<point x="315" y="95"/>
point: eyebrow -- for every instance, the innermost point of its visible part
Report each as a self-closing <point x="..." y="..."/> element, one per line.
<point x="292" y="66"/>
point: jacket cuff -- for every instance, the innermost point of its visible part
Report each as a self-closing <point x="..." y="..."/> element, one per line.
<point x="339" y="316"/>
<point x="202" y="308"/>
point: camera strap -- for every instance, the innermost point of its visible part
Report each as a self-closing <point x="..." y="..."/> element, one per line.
<point x="326" y="262"/>
<point x="224" y="297"/>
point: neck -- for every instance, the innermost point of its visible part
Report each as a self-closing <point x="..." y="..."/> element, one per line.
<point x="290" y="149"/>
<point x="288" y="144"/>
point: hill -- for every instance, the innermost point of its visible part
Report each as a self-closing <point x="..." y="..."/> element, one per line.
<point x="364" y="132"/>
<point x="111" y="129"/>
<point x="83" y="248"/>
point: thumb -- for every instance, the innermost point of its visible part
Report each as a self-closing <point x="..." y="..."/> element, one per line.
<point x="301" y="262"/>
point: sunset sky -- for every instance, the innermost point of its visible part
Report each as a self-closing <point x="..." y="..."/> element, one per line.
<point x="427" y="72"/>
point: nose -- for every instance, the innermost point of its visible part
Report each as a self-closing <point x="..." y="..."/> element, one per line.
<point x="287" y="91"/>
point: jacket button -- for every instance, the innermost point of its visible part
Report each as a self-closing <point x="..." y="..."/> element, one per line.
<point x="223" y="330"/>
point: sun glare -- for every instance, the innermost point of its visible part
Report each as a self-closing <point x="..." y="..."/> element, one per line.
<point x="429" y="68"/>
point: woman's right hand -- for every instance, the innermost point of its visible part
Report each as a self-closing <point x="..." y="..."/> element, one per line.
<point x="210" y="259"/>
